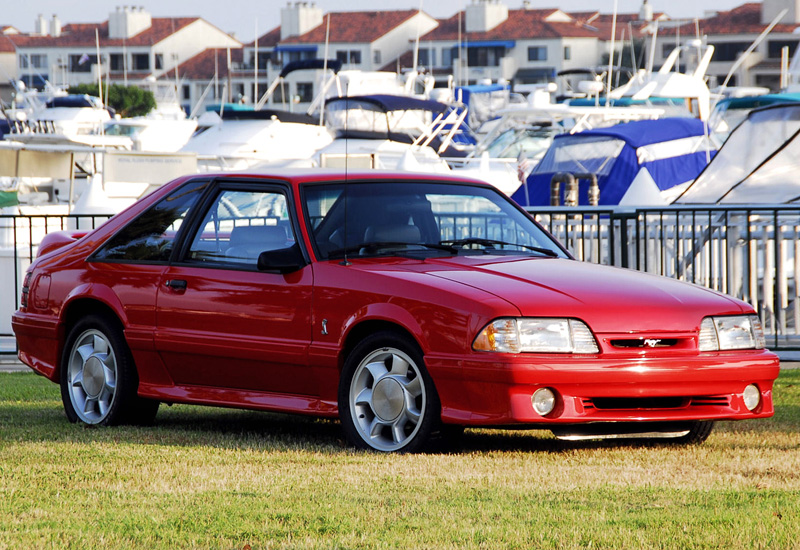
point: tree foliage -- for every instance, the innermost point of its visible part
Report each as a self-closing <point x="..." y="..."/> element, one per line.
<point x="127" y="101"/>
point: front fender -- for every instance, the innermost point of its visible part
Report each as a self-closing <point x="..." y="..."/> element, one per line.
<point x="386" y="312"/>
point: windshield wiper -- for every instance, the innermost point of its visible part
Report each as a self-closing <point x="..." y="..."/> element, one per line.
<point x="491" y="243"/>
<point x="372" y="247"/>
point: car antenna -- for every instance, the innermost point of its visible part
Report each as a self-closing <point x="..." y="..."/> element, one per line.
<point x="345" y="261"/>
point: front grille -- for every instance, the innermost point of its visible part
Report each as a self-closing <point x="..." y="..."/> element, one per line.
<point x="622" y="403"/>
<point x="644" y="343"/>
<point x="634" y="403"/>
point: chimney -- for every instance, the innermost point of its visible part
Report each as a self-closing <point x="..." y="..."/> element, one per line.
<point x="299" y="18"/>
<point x="771" y="8"/>
<point x="484" y="15"/>
<point x="127" y="22"/>
<point x="55" y="26"/>
<point x="646" y="12"/>
<point x="40" y="27"/>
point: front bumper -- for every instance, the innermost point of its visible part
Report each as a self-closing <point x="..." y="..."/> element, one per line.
<point x="496" y="390"/>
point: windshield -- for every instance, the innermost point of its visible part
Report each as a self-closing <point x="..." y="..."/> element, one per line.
<point x="419" y="219"/>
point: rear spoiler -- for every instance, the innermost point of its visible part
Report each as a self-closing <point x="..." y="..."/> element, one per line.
<point x="58" y="239"/>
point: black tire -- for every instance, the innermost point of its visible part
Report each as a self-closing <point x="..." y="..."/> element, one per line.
<point x="387" y="400"/>
<point x="99" y="382"/>
<point x="698" y="433"/>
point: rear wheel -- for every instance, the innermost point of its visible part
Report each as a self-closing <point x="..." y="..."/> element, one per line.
<point x="98" y="377"/>
<point x="387" y="401"/>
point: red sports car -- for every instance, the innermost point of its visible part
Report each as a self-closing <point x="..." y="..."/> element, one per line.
<point x="409" y="306"/>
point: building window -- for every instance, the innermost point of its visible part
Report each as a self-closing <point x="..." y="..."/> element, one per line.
<point x="159" y="61"/>
<point x="349" y="56"/>
<point x="729" y="51"/>
<point x="447" y="57"/>
<point x="23" y="61"/>
<point x="485" y="56"/>
<point x="427" y="57"/>
<point x="305" y="92"/>
<point x="81" y="63"/>
<point x="537" y="53"/>
<point x="140" y="62"/>
<point x="116" y="62"/>
<point x="774" y="48"/>
<point x="567" y="53"/>
<point x="39" y="61"/>
<point x="290" y="57"/>
<point x="376" y="56"/>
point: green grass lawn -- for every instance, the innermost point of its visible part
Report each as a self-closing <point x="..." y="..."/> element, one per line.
<point x="214" y="478"/>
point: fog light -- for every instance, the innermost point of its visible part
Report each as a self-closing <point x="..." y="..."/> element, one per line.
<point x="752" y="397"/>
<point x="543" y="401"/>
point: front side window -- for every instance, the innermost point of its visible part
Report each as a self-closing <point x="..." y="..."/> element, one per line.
<point x="419" y="218"/>
<point x="239" y="226"/>
<point x="150" y="238"/>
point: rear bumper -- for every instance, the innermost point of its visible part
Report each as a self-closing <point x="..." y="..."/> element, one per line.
<point x="38" y="342"/>
<point x="497" y="391"/>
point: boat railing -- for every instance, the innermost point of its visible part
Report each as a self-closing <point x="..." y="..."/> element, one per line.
<point x="749" y="252"/>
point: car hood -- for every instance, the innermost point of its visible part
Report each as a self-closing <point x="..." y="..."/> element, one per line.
<point x="609" y="299"/>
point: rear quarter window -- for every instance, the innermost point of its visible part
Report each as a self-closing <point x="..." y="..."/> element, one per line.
<point x="150" y="237"/>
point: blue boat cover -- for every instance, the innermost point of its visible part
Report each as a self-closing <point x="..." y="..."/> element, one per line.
<point x="615" y="175"/>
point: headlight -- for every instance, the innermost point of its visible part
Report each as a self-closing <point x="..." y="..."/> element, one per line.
<point x="536" y="336"/>
<point x="731" y="332"/>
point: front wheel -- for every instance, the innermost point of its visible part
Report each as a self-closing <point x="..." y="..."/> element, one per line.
<point x="698" y="433"/>
<point x="387" y="401"/>
<point x="98" y="377"/>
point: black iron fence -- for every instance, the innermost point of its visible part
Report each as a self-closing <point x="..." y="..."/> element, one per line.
<point x="752" y="253"/>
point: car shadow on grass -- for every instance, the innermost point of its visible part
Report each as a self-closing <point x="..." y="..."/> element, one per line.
<point x="190" y="425"/>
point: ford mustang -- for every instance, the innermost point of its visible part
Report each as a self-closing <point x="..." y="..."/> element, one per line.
<point x="408" y="306"/>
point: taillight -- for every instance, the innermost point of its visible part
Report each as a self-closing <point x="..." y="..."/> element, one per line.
<point x="26" y="285"/>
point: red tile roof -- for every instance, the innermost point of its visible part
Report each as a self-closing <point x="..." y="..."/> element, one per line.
<point x="202" y="66"/>
<point x="745" y="19"/>
<point x="356" y="26"/>
<point x="520" y="24"/>
<point x="267" y="40"/>
<point x="6" y="45"/>
<point x="83" y="34"/>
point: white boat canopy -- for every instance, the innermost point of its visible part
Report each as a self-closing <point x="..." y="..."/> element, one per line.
<point x="756" y="164"/>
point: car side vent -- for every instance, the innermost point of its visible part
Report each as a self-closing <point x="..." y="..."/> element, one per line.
<point x="711" y="401"/>
<point x="644" y="343"/>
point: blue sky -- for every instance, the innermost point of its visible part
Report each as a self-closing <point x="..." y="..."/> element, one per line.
<point x="244" y="16"/>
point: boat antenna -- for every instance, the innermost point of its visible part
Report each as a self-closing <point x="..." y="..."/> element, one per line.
<point x="325" y="70"/>
<point x="345" y="261"/>
<point x="255" y="65"/>
<point x="416" y="44"/>
<point x="752" y="47"/>
<point x="611" y="53"/>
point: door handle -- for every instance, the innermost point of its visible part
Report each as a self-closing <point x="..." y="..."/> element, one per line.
<point x="176" y="284"/>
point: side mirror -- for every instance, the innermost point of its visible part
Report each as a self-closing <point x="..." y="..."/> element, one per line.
<point x="282" y="260"/>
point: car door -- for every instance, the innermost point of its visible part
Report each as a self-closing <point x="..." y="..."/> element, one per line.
<point x="222" y="322"/>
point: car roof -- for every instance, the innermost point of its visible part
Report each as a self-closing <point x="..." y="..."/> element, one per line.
<point x="300" y="176"/>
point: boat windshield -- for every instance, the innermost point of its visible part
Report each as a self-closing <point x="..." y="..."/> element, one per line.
<point x="419" y="219"/>
<point x="530" y="142"/>
<point x="593" y="154"/>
